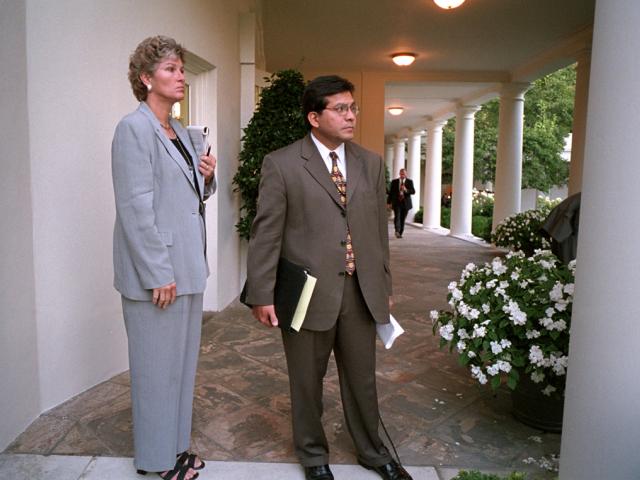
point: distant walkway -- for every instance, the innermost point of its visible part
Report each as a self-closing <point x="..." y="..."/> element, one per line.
<point x="435" y="413"/>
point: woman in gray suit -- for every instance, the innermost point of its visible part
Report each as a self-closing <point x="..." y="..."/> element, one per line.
<point x="159" y="257"/>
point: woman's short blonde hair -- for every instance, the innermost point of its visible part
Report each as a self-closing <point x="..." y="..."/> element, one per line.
<point x="146" y="57"/>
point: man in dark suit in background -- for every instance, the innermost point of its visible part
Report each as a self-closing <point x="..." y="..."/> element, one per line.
<point x="321" y="205"/>
<point x="400" y="200"/>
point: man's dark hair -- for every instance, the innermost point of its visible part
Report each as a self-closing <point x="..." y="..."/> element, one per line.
<point x="314" y="98"/>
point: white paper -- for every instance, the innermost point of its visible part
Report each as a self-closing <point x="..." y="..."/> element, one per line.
<point x="199" y="138"/>
<point x="388" y="332"/>
<point x="303" y="303"/>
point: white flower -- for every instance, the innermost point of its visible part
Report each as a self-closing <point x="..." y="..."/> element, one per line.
<point x="561" y="306"/>
<point x="496" y="348"/>
<point x="474" y="314"/>
<point x="491" y="283"/>
<point x="434" y="315"/>
<point x="548" y="390"/>
<point x="476" y="288"/>
<point x="546" y="323"/>
<point x="549" y="312"/>
<point x="559" y="364"/>
<point x="503" y="366"/>
<point x="479" y="331"/>
<point x="569" y="289"/>
<point x="471" y="354"/>
<point x="505" y="343"/>
<point x="456" y="294"/>
<point x="476" y="372"/>
<point x="486" y="308"/>
<point x="452" y="285"/>
<point x="535" y="355"/>
<point x="572" y="266"/>
<point x="461" y="345"/>
<point x="446" y="331"/>
<point x="497" y="266"/>
<point x="493" y="370"/>
<point x="546" y="265"/>
<point x="515" y="275"/>
<point x="537" y="377"/>
<point x="517" y="316"/>
<point x="556" y="292"/>
<point x="524" y="283"/>
<point x="559" y="325"/>
<point x="462" y="334"/>
<point x="532" y="334"/>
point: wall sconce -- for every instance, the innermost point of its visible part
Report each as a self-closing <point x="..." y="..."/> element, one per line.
<point x="395" y="111"/>
<point x="403" y="59"/>
<point x="448" y="4"/>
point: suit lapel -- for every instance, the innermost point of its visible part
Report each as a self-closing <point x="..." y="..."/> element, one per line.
<point x="318" y="170"/>
<point x="168" y="145"/>
<point x="355" y="166"/>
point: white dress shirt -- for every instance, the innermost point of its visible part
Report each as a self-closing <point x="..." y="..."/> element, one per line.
<point x="324" y="153"/>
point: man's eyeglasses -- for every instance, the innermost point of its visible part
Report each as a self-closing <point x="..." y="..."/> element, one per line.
<point x="343" y="108"/>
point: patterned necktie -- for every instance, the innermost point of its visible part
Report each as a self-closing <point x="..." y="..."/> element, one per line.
<point x="341" y="184"/>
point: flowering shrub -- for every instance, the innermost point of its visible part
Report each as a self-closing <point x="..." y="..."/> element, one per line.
<point x="521" y="232"/>
<point x="482" y="203"/>
<point x="511" y="317"/>
<point x="544" y="202"/>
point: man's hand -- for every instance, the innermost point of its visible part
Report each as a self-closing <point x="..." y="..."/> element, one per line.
<point x="390" y="303"/>
<point x="164" y="296"/>
<point x="266" y="314"/>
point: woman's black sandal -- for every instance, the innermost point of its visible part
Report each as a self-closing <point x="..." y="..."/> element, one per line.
<point x="178" y="473"/>
<point x="189" y="459"/>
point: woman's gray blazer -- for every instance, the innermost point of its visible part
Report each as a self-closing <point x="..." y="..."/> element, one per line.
<point x="159" y="234"/>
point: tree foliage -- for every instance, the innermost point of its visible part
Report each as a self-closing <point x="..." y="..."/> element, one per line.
<point x="277" y="122"/>
<point x="548" y="118"/>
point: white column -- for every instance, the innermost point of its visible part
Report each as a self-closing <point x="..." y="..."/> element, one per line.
<point x="462" y="186"/>
<point x="388" y="157"/>
<point x="601" y="428"/>
<point x="398" y="157"/>
<point x="508" y="184"/>
<point x="413" y="170"/>
<point x="433" y="175"/>
<point x="247" y="67"/>
<point x="579" y="122"/>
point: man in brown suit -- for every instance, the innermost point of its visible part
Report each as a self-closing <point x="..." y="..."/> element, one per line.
<point x="322" y="205"/>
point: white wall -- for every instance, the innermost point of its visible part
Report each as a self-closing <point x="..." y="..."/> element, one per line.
<point x="19" y="394"/>
<point x="66" y="316"/>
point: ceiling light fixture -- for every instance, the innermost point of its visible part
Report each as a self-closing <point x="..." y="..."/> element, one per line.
<point x="395" y="111"/>
<point x="448" y="4"/>
<point x="403" y="59"/>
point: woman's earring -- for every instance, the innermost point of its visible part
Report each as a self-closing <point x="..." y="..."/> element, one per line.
<point x="148" y="87"/>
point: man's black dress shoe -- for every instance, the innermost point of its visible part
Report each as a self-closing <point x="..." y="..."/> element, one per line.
<point x="390" y="471"/>
<point x="321" y="472"/>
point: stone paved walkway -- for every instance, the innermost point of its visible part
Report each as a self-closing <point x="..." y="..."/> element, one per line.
<point x="435" y="413"/>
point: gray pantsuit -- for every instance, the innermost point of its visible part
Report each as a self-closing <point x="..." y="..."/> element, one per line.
<point x="163" y="355"/>
<point x="158" y="239"/>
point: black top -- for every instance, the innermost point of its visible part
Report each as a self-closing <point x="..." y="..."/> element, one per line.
<point x="185" y="153"/>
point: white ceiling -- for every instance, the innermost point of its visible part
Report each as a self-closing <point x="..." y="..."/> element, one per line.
<point x="482" y="38"/>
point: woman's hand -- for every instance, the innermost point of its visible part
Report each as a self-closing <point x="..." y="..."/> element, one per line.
<point x="164" y="296"/>
<point x="207" y="167"/>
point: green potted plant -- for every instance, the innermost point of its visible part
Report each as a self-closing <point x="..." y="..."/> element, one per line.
<point x="277" y="122"/>
<point x="509" y="323"/>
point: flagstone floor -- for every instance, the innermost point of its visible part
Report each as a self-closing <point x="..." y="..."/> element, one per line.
<point x="435" y="413"/>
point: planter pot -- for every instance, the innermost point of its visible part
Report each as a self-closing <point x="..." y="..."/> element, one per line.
<point x="534" y="409"/>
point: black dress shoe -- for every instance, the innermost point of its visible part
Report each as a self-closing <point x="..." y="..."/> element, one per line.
<point x="320" y="472"/>
<point x="390" y="471"/>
